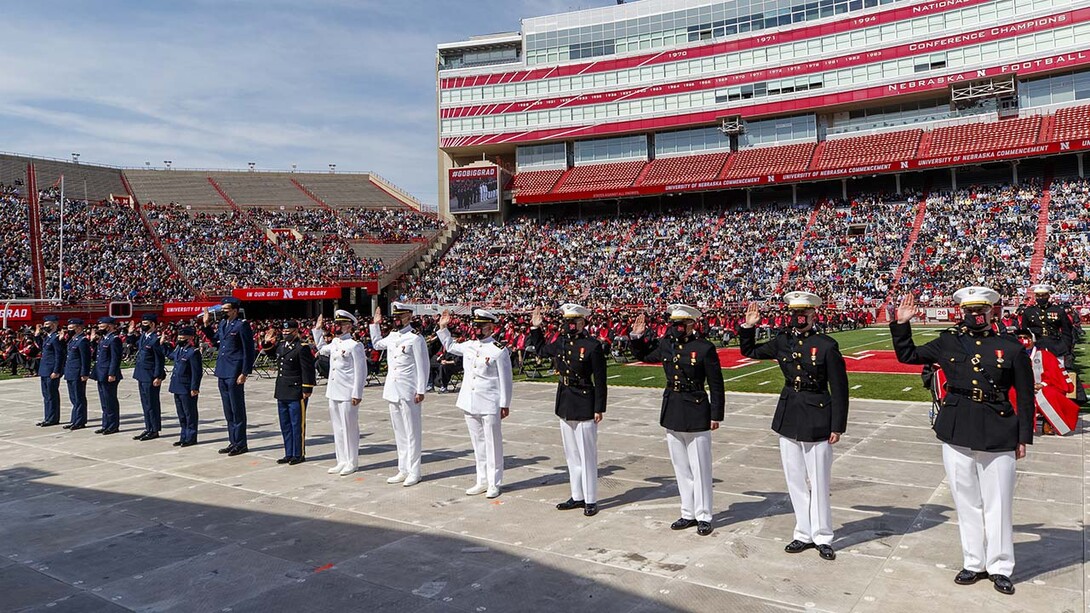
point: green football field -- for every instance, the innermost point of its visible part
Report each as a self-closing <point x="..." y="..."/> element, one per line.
<point x="765" y="376"/>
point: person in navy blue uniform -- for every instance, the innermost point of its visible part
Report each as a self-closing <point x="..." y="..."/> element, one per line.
<point x="149" y="372"/>
<point x="108" y="374"/>
<point x="50" y="369"/>
<point x="77" y="369"/>
<point x="295" y="376"/>
<point x="235" y="361"/>
<point x="185" y="383"/>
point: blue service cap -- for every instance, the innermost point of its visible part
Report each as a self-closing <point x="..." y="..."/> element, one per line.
<point x="75" y="321"/>
<point x="149" y="317"/>
<point x="107" y="320"/>
<point x="290" y="324"/>
<point x="51" y="318"/>
<point x="187" y="331"/>
<point x="231" y="300"/>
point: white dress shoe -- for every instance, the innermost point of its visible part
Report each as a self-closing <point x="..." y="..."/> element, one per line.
<point x="336" y="469"/>
<point x="493" y="492"/>
<point x="398" y="478"/>
<point x="411" y="481"/>
<point x="480" y="488"/>
<point x="348" y="470"/>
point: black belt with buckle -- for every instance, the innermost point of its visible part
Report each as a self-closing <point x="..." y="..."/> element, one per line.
<point x="976" y="394"/>
<point x="574" y="382"/>
<point x="686" y="389"/>
<point x="799" y="386"/>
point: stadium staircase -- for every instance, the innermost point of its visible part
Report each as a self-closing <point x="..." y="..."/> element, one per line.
<point x="171" y="262"/>
<point x="643" y="173"/>
<point x="223" y="194"/>
<point x="435" y="250"/>
<point x="312" y="195"/>
<point x="924" y="150"/>
<point x="798" y="248"/>
<point x="921" y="213"/>
<point x="34" y="217"/>
<point x="1038" y="261"/>
<point x="704" y="253"/>
<point x="1048" y="129"/>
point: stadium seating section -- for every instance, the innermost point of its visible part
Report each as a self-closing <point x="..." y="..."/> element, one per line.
<point x="686" y="169"/>
<point x="865" y="150"/>
<point x="599" y="177"/>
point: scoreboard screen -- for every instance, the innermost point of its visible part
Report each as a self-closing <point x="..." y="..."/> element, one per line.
<point x="475" y="190"/>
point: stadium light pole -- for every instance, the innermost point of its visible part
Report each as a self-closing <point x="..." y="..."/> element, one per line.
<point x="332" y="168"/>
<point x="293" y="169"/>
<point x="251" y="165"/>
<point x="75" y="158"/>
<point x="168" y="163"/>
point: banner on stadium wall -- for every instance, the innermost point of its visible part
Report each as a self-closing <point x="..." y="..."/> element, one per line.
<point x="474" y="190"/>
<point x="18" y="313"/>
<point x="185" y="309"/>
<point x="287" y="293"/>
<point x="979" y="157"/>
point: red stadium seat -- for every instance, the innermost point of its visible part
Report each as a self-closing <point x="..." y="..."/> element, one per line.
<point x="767" y="160"/>
<point x="1071" y="123"/>
<point x="866" y="150"/>
<point x="685" y="169"/>
<point x="535" y="182"/>
<point x="601" y="177"/>
<point x="973" y="137"/>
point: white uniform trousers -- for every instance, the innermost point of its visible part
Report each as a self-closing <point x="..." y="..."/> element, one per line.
<point x="691" y="455"/>
<point x="982" y="484"/>
<point x="484" y="431"/>
<point x="346" y="431"/>
<point x="581" y="451"/>
<point x="405" y="417"/>
<point x="813" y="463"/>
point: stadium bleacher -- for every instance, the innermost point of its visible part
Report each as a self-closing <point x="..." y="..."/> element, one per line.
<point x="764" y="160"/>
<point x="865" y="150"/>
<point x="684" y="169"/>
<point x="600" y="176"/>
<point x="971" y="137"/>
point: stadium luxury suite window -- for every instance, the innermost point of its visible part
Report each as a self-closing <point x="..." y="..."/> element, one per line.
<point x="1009" y="50"/>
<point x="875" y="37"/>
<point x="700" y="140"/>
<point x="611" y="150"/>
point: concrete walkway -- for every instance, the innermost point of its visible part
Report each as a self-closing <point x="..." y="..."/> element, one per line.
<point x="93" y="523"/>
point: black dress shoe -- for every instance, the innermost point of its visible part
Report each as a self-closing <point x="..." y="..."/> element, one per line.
<point x="46" y="424"/>
<point x="238" y="451"/>
<point x="67" y="426"/>
<point x="150" y="436"/>
<point x="968" y="577"/>
<point x="682" y="524"/>
<point x="189" y="443"/>
<point x="100" y="430"/>
<point x="703" y="528"/>
<point x="797" y="546"/>
<point x="178" y="443"/>
<point x="140" y="437"/>
<point x="1003" y="584"/>
<point x="591" y="509"/>
<point x="227" y="449"/>
<point x="111" y="431"/>
<point x="39" y="423"/>
<point x="826" y="552"/>
<point x="77" y="427"/>
<point x="296" y="460"/>
<point x="284" y="460"/>
<point x="570" y="504"/>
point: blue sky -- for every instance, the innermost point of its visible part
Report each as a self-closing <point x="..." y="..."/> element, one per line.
<point x="219" y="83"/>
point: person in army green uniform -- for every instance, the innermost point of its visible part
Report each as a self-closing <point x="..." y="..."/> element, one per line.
<point x="580" y="400"/>
<point x="689" y="412"/>
<point x="982" y="433"/>
<point x="811" y="414"/>
<point x="295" y="376"/>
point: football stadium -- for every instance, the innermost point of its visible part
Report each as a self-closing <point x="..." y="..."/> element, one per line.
<point x="835" y="253"/>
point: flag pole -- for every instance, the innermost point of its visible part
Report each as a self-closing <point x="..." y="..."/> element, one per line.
<point x="60" y="259"/>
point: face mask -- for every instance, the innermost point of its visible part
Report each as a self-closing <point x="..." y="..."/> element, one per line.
<point x="102" y="329"/>
<point x="71" y="330"/>
<point x="799" y="321"/>
<point x="1025" y="342"/>
<point x="976" y="321"/>
<point x="480" y="331"/>
<point x="1042" y="302"/>
<point x="571" y="328"/>
<point x="679" y="328"/>
<point x="146" y="326"/>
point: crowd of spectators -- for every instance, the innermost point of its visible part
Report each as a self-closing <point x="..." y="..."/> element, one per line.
<point x="15" y="271"/>
<point x="223" y="250"/>
<point x="108" y="255"/>
<point x="975" y="236"/>
<point x="387" y="225"/>
<point x="317" y="242"/>
<point x="1067" y="254"/>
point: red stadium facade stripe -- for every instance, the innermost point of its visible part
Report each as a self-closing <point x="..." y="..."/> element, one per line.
<point x="975" y="37"/>
<point x="925" y="84"/>
<point x="819" y="175"/>
<point x="768" y="38"/>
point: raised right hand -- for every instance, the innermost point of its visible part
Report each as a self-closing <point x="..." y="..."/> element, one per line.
<point x="536" y="318"/>
<point x="639" y="326"/>
<point x="907" y="309"/>
<point x="444" y="319"/>
<point x="753" y="315"/>
<point x="377" y="319"/>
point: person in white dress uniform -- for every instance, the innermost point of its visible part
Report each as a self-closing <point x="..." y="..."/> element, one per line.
<point x="485" y="396"/>
<point x="344" y="390"/>
<point x="408" y="370"/>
